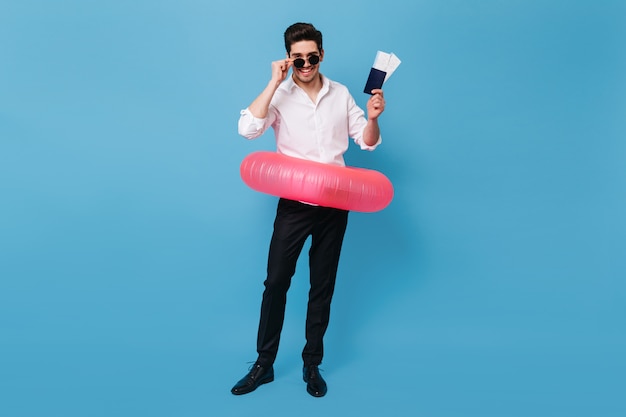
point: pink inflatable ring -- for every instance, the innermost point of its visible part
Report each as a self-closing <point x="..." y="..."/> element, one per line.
<point x="346" y="188"/>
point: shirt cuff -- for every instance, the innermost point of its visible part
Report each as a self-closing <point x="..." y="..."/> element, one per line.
<point x="364" y="146"/>
<point x="250" y="126"/>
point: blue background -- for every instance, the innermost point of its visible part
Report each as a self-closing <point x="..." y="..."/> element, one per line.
<point x="132" y="255"/>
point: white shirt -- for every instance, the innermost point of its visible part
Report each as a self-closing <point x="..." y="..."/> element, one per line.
<point x="304" y="129"/>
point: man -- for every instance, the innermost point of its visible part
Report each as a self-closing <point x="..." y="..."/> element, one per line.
<point x="313" y="118"/>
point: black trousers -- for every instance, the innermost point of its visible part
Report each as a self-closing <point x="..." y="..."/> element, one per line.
<point x="294" y="222"/>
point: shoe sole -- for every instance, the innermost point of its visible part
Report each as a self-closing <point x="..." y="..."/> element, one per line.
<point x="261" y="382"/>
<point x="315" y="394"/>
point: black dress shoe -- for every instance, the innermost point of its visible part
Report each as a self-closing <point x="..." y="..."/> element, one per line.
<point x="315" y="384"/>
<point x="258" y="375"/>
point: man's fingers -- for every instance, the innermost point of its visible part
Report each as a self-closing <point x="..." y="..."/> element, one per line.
<point x="378" y="100"/>
<point x="283" y="64"/>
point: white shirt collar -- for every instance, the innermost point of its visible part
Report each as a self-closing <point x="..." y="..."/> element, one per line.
<point x="289" y="84"/>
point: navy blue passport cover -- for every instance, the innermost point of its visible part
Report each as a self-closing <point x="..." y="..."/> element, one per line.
<point x="375" y="80"/>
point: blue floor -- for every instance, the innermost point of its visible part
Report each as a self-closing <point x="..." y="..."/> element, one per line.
<point x="172" y="340"/>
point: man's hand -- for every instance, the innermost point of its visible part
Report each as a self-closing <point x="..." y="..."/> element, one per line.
<point x="280" y="69"/>
<point x="376" y="104"/>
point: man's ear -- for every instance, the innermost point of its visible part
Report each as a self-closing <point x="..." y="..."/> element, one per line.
<point x="321" y="55"/>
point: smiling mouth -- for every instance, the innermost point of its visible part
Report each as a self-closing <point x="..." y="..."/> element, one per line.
<point x="305" y="71"/>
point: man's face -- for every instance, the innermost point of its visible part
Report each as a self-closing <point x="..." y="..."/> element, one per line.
<point x="305" y="49"/>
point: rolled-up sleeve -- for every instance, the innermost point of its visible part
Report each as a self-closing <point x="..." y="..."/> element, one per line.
<point x="251" y="127"/>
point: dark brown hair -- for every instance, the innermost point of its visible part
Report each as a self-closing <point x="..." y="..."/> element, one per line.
<point x="302" y="32"/>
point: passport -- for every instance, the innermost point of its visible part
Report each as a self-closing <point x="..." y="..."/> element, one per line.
<point x="375" y="80"/>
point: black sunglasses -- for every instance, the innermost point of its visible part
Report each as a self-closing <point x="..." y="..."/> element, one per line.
<point x="299" y="62"/>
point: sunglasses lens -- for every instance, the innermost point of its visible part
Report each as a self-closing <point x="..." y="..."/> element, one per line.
<point x="299" y="62"/>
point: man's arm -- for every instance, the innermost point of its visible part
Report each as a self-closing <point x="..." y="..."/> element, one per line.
<point x="260" y="106"/>
<point x="375" y="107"/>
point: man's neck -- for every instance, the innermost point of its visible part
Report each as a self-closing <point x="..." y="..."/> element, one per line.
<point x="311" y="88"/>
